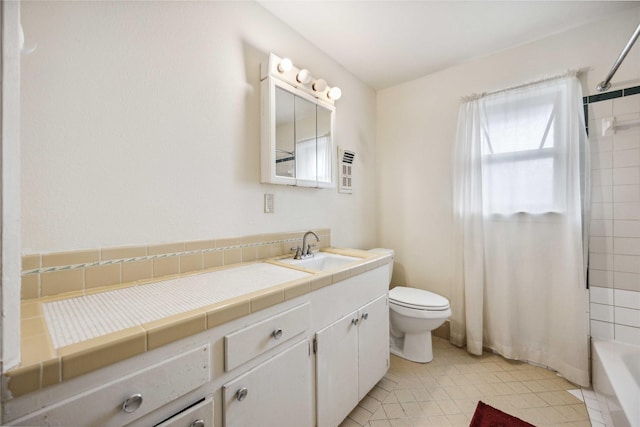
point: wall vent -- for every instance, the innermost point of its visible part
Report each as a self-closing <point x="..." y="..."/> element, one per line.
<point x="345" y="183"/>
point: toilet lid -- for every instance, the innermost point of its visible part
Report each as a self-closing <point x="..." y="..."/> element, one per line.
<point x="417" y="298"/>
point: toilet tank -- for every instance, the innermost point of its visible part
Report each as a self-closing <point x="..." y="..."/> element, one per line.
<point x="386" y="252"/>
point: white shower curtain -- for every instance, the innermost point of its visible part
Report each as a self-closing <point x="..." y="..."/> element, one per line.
<point x="519" y="183"/>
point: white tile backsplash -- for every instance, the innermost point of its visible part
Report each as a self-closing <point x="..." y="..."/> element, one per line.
<point x="601" y="244"/>
<point x="625" y="176"/>
<point x="629" y="299"/>
<point x="603" y="194"/>
<point x="602" y="160"/>
<point x="626" y="246"/>
<point x="626" y="316"/>
<point x="601" y="211"/>
<point x="614" y="245"/>
<point x="628" y="281"/>
<point x="601" y="278"/>
<point x="601" y="312"/>
<point x="601" y="261"/>
<point x="604" y="330"/>
<point x="601" y="143"/>
<point x="600" y="295"/>
<point x="627" y="334"/>
<point x="626" y="263"/>
<point x="602" y="177"/>
<point x="630" y="210"/>
<point x="626" y="228"/>
<point x="621" y="193"/>
<point x="601" y="228"/>
<point x="626" y="158"/>
<point x="626" y="141"/>
<point x="598" y="110"/>
<point x="625" y="105"/>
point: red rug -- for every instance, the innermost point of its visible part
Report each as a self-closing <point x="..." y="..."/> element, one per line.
<point x="487" y="416"/>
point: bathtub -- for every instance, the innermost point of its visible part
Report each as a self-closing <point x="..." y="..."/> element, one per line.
<point x="616" y="381"/>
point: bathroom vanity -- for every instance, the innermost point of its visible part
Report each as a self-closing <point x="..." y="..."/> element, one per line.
<point x="302" y="352"/>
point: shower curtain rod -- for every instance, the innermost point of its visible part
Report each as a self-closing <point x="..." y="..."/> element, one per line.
<point x="605" y="84"/>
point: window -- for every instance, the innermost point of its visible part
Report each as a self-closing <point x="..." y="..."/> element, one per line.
<point x="521" y="151"/>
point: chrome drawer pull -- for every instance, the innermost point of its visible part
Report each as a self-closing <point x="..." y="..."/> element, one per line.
<point x="132" y="404"/>
<point x="242" y="394"/>
<point x="197" y="423"/>
<point x="277" y="334"/>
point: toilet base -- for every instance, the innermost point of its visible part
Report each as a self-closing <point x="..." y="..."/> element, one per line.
<point x="413" y="347"/>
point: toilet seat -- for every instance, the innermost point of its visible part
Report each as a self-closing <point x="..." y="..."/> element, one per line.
<point x="417" y="299"/>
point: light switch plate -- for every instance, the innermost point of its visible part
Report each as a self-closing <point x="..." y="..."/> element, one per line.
<point x="268" y="203"/>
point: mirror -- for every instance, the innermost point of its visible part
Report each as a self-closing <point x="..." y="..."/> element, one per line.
<point x="285" y="134"/>
<point x="297" y="137"/>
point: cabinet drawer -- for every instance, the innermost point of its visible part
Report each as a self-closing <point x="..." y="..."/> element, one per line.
<point x="105" y="405"/>
<point x="247" y="343"/>
<point x="200" y="415"/>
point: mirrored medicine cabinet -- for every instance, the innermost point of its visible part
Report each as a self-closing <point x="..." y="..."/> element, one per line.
<point x="297" y="137"/>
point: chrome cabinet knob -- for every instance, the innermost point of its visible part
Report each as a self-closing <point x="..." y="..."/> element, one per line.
<point x="197" y="423"/>
<point x="355" y="321"/>
<point x="365" y="316"/>
<point x="132" y="403"/>
<point x="277" y="334"/>
<point x="242" y="394"/>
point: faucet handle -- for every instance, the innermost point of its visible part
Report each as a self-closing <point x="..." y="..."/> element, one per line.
<point x="298" y="254"/>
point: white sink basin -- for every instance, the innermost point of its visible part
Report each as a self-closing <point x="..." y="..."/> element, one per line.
<point x="321" y="261"/>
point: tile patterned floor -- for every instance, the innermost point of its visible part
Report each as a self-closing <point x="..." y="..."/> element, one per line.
<point x="446" y="391"/>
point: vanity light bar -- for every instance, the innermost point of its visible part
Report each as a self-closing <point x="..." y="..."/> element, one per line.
<point x="300" y="78"/>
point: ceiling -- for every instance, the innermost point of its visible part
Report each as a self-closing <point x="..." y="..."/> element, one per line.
<point x="384" y="43"/>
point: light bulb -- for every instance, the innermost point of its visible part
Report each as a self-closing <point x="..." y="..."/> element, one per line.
<point x="285" y="65"/>
<point x="304" y="76"/>
<point x="319" y="85"/>
<point x="335" y="93"/>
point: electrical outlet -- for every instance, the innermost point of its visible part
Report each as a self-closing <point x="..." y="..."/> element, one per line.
<point x="268" y="203"/>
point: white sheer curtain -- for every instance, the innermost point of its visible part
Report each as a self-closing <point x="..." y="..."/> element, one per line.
<point x="519" y="181"/>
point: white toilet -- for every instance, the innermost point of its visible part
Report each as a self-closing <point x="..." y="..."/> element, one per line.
<point x="413" y="314"/>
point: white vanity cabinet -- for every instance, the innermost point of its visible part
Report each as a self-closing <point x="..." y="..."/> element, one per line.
<point x="275" y="393"/>
<point x="259" y="369"/>
<point x="352" y="355"/>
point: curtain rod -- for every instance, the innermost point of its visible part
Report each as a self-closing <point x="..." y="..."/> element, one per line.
<point x="568" y="73"/>
<point x="605" y="84"/>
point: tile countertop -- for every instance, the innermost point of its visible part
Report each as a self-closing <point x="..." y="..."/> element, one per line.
<point x="65" y="336"/>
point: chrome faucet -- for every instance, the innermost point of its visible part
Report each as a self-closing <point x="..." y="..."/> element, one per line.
<point x="305" y="251"/>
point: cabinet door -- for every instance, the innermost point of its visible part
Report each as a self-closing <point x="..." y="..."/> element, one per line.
<point x="274" y="394"/>
<point x="337" y="370"/>
<point x="373" y="350"/>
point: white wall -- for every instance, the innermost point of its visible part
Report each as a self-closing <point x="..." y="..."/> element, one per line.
<point x="140" y="125"/>
<point x="416" y="125"/>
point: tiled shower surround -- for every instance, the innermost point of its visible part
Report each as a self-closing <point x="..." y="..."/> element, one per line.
<point x="91" y="270"/>
<point x="614" y="244"/>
